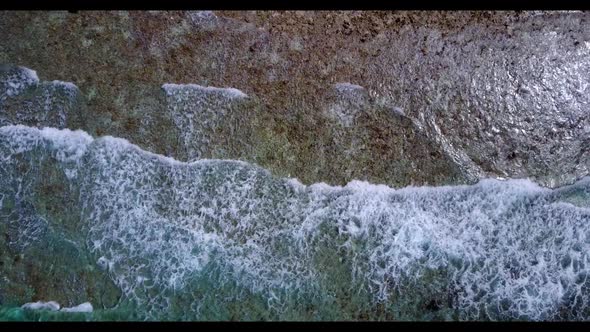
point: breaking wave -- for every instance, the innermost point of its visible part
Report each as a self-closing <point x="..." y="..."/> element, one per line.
<point x="224" y="239"/>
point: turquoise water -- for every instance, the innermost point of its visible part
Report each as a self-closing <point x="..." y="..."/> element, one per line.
<point x="145" y="237"/>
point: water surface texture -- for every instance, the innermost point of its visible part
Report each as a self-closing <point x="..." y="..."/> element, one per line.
<point x="294" y="166"/>
<point x="220" y="239"/>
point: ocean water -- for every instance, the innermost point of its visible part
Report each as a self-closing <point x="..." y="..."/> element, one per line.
<point x="146" y="237"/>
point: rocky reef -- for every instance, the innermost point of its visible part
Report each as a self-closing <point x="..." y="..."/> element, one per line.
<point x="435" y="97"/>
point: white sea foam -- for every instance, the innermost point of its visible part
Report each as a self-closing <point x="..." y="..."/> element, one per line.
<point x="30" y="74"/>
<point x="47" y="104"/>
<point x="198" y="112"/>
<point x="296" y="184"/>
<point x="71" y="145"/>
<point x="345" y="86"/>
<point x="171" y="88"/>
<point x="18" y="80"/>
<point x="67" y="85"/>
<point x="84" y="307"/>
<point x="203" y="19"/>
<point x="507" y="249"/>
<point x="54" y="306"/>
<point x="40" y="305"/>
<point x="398" y="111"/>
<point x="351" y="99"/>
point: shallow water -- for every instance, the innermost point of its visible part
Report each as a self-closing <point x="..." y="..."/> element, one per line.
<point x="144" y="237"/>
